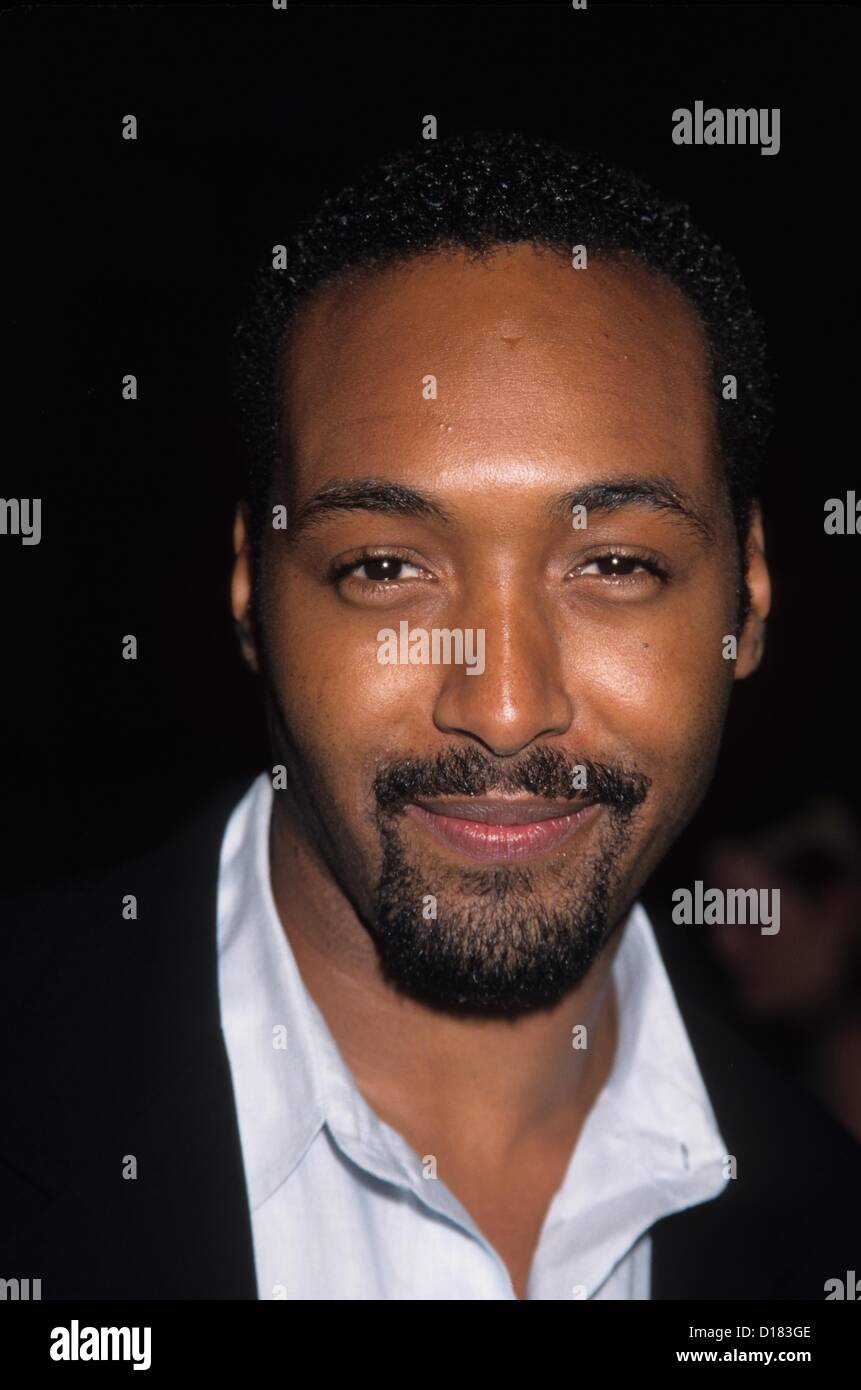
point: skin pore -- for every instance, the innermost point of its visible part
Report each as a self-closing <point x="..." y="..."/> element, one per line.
<point x="550" y="382"/>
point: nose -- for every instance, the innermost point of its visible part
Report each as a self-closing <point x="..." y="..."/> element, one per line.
<point x="520" y="696"/>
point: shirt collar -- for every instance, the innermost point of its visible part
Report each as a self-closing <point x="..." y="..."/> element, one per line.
<point x="267" y="1014"/>
<point x="653" y="1114"/>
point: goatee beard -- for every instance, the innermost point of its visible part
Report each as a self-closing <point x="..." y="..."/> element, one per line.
<point x="506" y="939"/>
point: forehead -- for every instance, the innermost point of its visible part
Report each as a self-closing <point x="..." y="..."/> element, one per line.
<point x="603" y="368"/>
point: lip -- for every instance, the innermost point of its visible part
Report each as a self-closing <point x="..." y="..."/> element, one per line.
<point x="494" y="830"/>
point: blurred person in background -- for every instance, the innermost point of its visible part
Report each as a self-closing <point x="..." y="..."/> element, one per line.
<point x="802" y="984"/>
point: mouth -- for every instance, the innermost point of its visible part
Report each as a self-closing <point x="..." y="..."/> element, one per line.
<point x="501" y="829"/>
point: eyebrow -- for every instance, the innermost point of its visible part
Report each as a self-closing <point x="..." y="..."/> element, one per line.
<point x="366" y="495"/>
<point x="655" y="494"/>
<point x="605" y="495"/>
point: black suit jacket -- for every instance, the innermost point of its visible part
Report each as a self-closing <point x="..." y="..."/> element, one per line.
<point x="112" y="1050"/>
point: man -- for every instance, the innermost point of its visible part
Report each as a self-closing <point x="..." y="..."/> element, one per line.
<point x="393" y="1024"/>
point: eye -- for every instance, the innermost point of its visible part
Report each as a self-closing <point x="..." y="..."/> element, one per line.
<point x="378" y="569"/>
<point x="612" y="566"/>
<point x="633" y="571"/>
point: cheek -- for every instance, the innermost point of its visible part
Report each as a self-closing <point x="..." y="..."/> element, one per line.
<point x="658" y="687"/>
<point x="334" y="693"/>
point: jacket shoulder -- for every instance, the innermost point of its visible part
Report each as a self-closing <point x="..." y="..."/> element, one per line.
<point x="107" y="977"/>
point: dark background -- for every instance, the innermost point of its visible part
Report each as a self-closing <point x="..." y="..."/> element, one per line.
<point x="135" y="256"/>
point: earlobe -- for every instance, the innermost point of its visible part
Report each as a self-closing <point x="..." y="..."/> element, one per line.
<point x="756" y="642"/>
<point x="241" y="589"/>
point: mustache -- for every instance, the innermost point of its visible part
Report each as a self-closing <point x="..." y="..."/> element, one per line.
<point x="546" y="772"/>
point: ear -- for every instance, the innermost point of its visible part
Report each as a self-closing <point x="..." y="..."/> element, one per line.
<point x="752" y="638"/>
<point x="241" y="588"/>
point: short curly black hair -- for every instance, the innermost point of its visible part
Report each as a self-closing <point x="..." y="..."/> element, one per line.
<point x="474" y="193"/>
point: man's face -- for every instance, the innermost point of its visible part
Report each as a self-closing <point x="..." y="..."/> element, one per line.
<point x="476" y="404"/>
